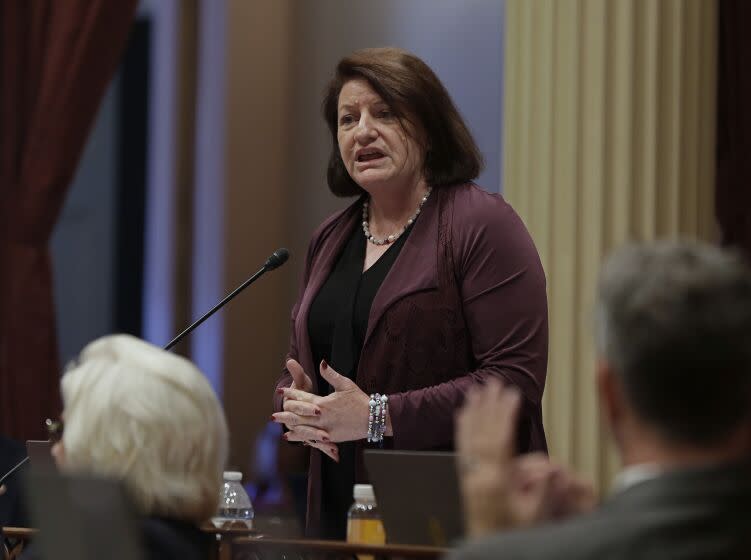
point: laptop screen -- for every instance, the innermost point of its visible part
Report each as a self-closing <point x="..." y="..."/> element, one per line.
<point x="40" y="454"/>
<point x="417" y="494"/>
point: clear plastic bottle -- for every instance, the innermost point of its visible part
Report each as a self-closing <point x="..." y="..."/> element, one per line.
<point x="235" y="509"/>
<point x="363" y="519"/>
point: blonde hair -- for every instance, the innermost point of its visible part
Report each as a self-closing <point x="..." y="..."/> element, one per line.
<point x="148" y="417"/>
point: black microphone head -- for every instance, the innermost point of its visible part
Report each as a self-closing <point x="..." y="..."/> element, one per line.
<point x="276" y="260"/>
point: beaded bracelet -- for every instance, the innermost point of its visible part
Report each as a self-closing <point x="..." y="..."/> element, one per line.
<point x="379" y="405"/>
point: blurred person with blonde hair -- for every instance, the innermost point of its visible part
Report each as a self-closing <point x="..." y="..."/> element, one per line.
<point x="139" y="414"/>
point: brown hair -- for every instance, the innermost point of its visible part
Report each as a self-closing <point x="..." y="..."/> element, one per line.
<point x="411" y="90"/>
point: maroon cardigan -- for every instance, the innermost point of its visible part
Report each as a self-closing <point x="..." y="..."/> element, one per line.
<point x="464" y="300"/>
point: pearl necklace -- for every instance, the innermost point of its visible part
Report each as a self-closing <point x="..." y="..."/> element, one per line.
<point x="393" y="237"/>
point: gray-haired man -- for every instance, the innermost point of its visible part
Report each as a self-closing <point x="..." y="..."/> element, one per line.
<point x="674" y="383"/>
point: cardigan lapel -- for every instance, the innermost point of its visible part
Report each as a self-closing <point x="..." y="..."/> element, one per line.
<point x="416" y="267"/>
<point x="414" y="270"/>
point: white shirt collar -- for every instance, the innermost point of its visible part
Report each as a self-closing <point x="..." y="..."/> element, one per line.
<point x="635" y="474"/>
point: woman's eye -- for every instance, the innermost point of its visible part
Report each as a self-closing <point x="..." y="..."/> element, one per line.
<point x="346" y="119"/>
<point x="385" y="114"/>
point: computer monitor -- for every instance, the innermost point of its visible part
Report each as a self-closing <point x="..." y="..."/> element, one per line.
<point x="418" y="496"/>
<point x="40" y="454"/>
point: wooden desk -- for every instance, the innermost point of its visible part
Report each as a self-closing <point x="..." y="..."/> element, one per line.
<point x="16" y="539"/>
<point x="224" y="540"/>
<point x="245" y="548"/>
<point x="239" y="544"/>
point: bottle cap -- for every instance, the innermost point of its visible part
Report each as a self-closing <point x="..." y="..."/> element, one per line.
<point x="234" y="476"/>
<point x="364" y="492"/>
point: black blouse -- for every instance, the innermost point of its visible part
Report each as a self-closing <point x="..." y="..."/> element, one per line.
<point x="337" y="324"/>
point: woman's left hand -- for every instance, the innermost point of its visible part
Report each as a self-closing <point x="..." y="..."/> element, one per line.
<point x="343" y="414"/>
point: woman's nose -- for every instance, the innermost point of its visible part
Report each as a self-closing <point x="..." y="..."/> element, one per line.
<point x="366" y="131"/>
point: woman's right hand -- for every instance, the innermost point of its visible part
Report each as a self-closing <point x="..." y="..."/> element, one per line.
<point x="302" y="382"/>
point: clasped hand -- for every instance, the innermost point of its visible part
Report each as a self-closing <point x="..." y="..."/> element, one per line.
<point x="322" y="421"/>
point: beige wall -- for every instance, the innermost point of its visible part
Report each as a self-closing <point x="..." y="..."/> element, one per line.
<point x="257" y="211"/>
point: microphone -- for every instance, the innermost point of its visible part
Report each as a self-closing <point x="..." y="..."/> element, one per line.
<point x="277" y="259"/>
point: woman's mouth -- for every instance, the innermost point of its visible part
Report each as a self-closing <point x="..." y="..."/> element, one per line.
<point x="365" y="156"/>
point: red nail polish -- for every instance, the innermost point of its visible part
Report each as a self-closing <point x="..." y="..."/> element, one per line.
<point x="280" y="391"/>
<point x="272" y="418"/>
<point x="324" y="365"/>
<point x="284" y="436"/>
<point x="318" y="412"/>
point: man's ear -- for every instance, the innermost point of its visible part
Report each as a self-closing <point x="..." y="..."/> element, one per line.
<point x="611" y="396"/>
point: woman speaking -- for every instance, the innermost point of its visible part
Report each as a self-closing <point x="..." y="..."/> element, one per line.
<point x="422" y="287"/>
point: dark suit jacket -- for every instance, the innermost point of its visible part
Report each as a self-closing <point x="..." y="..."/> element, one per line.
<point x="168" y="539"/>
<point x="465" y="299"/>
<point x="690" y="514"/>
<point x="12" y="511"/>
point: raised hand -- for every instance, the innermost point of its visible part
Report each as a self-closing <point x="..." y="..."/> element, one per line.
<point x="499" y="489"/>
<point x="485" y="429"/>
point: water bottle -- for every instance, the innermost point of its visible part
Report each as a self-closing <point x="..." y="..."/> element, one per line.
<point x="235" y="509"/>
<point x="363" y="519"/>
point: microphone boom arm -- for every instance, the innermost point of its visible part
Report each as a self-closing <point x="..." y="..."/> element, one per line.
<point x="277" y="259"/>
<point x="216" y="308"/>
<point x="20" y="464"/>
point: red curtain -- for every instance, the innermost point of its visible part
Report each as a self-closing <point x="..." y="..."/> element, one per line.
<point x="56" y="58"/>
<point x="733" y="189"/>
